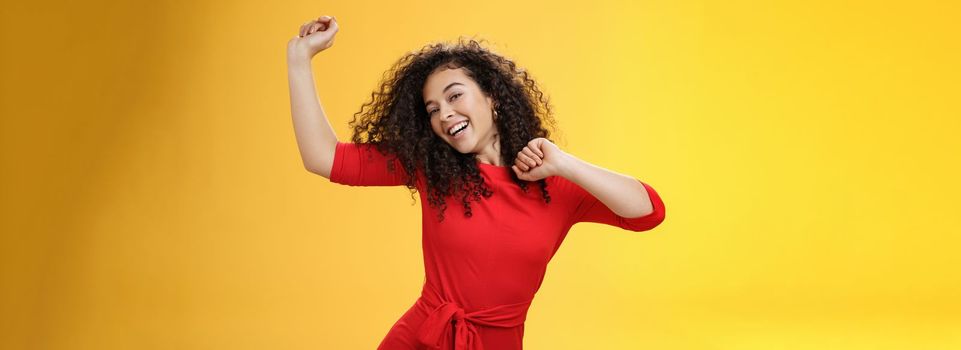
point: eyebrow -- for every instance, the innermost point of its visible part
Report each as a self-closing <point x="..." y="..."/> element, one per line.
<point x="445" y="90"/>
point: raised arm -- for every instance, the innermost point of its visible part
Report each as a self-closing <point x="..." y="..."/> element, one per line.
<point x="316" y="139"/>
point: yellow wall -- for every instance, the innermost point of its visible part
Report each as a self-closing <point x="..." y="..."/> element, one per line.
<point x="807" y="152"/>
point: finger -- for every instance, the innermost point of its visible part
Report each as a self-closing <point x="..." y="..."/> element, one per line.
<point x="313" y="28"/>
<point x="530" y="154"/>
<point x="332" y="24"/>
<point x="516" y="170"/>
<point x="529" y="163"/>
<point x="324" y="22"/>
<point x="537" y="150"/>
<point x="303" y="28"/>
<point x="523" y="159"/>
<point x="520" y="164"/>
<point x="307" y="26"/>
<point x="527" y="160"/>
<point x="327" y="21"/>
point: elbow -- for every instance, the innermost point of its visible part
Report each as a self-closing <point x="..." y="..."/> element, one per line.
<point x="320" y="163"/>
<point x="319" y="170"/>
<point x="653" y="211"/>
<point x="652" y="218"/>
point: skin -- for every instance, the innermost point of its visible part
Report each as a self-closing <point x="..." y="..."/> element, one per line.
<point x="541" y="158"/>
<point x="464" y="100"/>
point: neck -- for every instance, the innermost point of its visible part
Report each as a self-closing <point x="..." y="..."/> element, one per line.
<point x="490" y="153"/>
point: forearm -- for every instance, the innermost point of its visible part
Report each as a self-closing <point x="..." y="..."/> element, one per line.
<point x="623" y="194"/>
<point x="315" y="136"/>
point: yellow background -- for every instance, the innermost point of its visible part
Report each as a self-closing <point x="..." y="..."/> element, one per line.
<point x="807" y="152"/>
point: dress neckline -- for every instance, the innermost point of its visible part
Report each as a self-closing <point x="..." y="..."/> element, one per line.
<point x="503" y="172"/>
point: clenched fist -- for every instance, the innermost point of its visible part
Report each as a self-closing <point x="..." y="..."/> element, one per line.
<point x="540" y="159"/>
<point x="315" y="36"/>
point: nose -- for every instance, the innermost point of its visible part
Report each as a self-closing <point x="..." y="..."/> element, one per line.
<point x="446" y="111"/>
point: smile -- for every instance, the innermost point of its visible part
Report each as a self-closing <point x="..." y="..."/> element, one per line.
<point x="458" y="128"/>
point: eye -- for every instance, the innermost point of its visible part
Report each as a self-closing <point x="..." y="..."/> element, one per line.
<point x="452" y="97"/>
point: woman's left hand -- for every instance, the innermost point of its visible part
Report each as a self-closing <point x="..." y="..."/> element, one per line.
<point x="539" y="159"/>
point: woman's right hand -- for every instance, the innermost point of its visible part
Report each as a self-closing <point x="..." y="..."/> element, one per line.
<point x="315" y="36"/>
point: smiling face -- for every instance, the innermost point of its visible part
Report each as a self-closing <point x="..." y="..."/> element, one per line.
<point x="453" y="99"/>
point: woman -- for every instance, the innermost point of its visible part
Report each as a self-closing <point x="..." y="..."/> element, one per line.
<point x="471" y="128"/>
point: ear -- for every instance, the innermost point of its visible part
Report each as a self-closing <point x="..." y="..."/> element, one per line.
<point x="493" y="106"/>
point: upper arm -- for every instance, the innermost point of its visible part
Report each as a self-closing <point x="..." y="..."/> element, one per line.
<point x="590" y="209"/>
<point x="361" y="164"/>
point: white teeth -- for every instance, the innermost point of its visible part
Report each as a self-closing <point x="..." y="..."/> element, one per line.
<point x="456" y="127"/>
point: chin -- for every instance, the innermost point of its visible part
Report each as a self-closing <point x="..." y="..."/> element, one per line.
<point x="467" y="150"/>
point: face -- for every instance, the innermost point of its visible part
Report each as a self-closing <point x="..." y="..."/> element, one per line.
<point x="452" y="98"/>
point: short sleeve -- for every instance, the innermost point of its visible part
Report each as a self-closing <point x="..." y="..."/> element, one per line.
<point x="590" y="209"/>
<point x="361" y="164"/>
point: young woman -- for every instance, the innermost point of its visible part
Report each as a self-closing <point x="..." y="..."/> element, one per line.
<point x="459" y="124"/>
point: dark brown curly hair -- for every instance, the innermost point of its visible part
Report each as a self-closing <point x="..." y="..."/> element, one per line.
<point x="396" y="123"/>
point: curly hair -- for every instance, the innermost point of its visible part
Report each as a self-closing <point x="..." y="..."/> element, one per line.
<point x="396" y="123"/>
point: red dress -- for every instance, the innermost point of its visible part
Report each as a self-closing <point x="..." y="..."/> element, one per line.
<point x="482" y="272"/>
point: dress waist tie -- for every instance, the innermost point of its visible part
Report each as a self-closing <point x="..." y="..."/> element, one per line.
<point x="436" y="329"/>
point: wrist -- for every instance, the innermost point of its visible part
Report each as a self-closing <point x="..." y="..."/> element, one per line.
<point x="297" y="59"/>
<point x="568" y="168"/>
